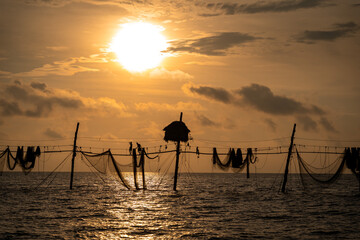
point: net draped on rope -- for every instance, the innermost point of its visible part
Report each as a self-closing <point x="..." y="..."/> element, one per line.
<point x="105" y="163"/>
<point x="330" y="173"/>
<point x="26" y="162"/>
<point x="233" y="159"/>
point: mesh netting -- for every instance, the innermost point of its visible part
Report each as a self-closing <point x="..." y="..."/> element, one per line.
<point x="105" y="163"/>
<point x="233" y="160"/>
<point x="325" y="171"/>
<point x="26" y="162"/>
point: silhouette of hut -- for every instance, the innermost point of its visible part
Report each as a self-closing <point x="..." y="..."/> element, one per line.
<point x="176" y="131"/>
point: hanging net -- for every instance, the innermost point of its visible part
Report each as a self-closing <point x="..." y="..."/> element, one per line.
<point x="233" y="160"/>
<point x="324" y="171"/>
<point x="105" y="163"/>
<point x="352" y="159"/>
<point x="26" y="162"/>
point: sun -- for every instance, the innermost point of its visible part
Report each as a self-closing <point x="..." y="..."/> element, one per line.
<point x="139" y="46"/>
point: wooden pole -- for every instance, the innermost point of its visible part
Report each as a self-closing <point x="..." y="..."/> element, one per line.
<point x="134" y="169"/>
<point x="143" y="167"/>
<point x="177" y="159"/>
<point x="288" y="159"/>
<point x="247" y="164"/>
<point x="73" y="157"/>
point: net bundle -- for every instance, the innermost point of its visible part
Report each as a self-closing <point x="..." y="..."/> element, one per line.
<point x="26" y="161"/>
<point x="233" y="159"/>
<point x="352" y="159"/>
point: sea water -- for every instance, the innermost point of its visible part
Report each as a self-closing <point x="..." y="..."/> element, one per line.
<point x="206" y="206"/>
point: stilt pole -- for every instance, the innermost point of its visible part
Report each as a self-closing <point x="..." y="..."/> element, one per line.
<point x="143" y="167"/>
<point x="247" y="164"/>
<point x="288" y="160"/>
<point x="177" y="159"/>
<point x="73" y="157"/>
<point x="134" y="169"/>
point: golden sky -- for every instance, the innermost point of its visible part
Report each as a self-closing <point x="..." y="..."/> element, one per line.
<point x="240" y="71"/>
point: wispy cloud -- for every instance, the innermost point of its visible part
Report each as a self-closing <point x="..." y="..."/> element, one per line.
<point x="260" y="7"/>
<point x="215" y="45"/>
<point x="180" y="106"/>
<point x="162" y="73"/>
<point x="62" y="68"/>
<point x="52" y="133"/>
<point x="339" y="30"/>
<point x="205" y="121"/>
<point x="262" y="99"/>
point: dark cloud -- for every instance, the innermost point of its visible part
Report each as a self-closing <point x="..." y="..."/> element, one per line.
<point x="339" y="30"/>
<point x="263" y="6"/>
<point x="215" y="45"/>
<point x="40" y="86"/>
<point x="8" y="108"/>
<point x="218" y="94"/>
<point x="38" y="105"/>
<point x="205" y="121"/>
<point x="307" y="123"/>
<point x="52" y="133"/>
<point x="261" y="98"/>
<point x="271" y="124"/>
<point x="327" y="125"/>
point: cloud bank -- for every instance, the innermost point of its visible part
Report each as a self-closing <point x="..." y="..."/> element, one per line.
<point x="339" y="30"/>
<point x="261" y="7"/>
<point x="262" y="99"/>
<point x="215" y="45"/>
<point x="37" y="100"/>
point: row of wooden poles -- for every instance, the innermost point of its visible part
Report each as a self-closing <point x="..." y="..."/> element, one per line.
<point x="283" y="188"/>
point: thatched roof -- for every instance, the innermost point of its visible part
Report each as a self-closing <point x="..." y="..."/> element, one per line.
<point x="176" y="131"/>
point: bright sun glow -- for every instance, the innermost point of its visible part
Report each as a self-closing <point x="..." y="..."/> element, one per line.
<point x="138" y="46"/>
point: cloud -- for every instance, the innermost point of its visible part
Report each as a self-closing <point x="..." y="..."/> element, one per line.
<point x="62" y="3"/>
<point x="162" y="73"/>
<point x="205" y="121"/>
<point x="215" y="45"/>
<point x="327" y="125"/>
<point x="262" y="99"/>
<point x="37" y="100"/>
<point x="180" y="106"/>
<point x="261" y="7"/>
<point x="206" y="63"/>
<point x="339" y="30"/>
<point x="307" y="123"/>
<point x="52" y="133"/>
<point x="271" y="123"/>
<point x="67" y="67"/>
<point x="208" y="92"/>
<point x="57" y="48"/>
<point x="40" y="86"/>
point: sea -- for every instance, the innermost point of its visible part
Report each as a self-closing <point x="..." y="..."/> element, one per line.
<point x="205" y="206"/>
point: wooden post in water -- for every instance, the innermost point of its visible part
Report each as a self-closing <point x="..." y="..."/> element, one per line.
<point x="247" y="164"/>
<point x="177" y="159"/>
<point x="134" y="169"/>
<point x="73" y="157"/>
<point x="142" y="159"/>
<point x="288" y="159"/>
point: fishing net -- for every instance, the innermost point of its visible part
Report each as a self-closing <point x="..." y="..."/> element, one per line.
<point x="352" y="159"/>
<point x="323" y="171"/>
<point x="105" y="163"/>
<point x="3" y="158"/>
<point x="26" y="162"/>
<point x="233" y="159"/>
